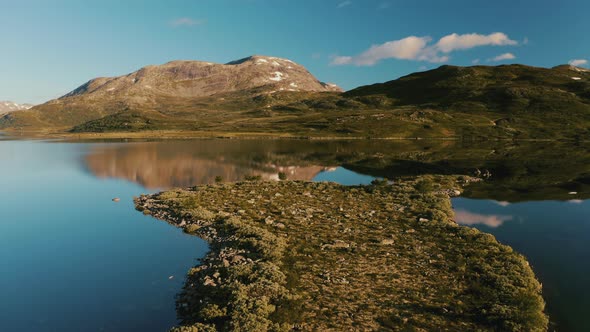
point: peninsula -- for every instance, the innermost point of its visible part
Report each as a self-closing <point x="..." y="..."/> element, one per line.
<point x="385" y="256"/>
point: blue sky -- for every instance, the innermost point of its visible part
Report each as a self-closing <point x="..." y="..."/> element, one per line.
<point x="51" y="47"/>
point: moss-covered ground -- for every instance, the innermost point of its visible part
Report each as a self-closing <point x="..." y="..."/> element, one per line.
<point x="324" y="257"/>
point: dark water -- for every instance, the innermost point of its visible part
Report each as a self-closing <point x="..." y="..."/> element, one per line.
<point x="555" y="238"/>
<point x="73" y="260"/>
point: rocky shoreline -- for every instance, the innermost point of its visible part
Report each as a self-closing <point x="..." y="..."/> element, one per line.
<point x="319" y="256"/>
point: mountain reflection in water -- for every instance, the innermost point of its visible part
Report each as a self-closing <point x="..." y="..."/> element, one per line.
<point x="157" y="165"/>
<point x="520" y="172"/>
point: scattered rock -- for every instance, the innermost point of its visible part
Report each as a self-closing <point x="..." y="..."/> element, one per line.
<point x="237" y="259"/>
<point x="209" y="282"/>
<point x="338" y="244"/>
<point x="387" y="242"/>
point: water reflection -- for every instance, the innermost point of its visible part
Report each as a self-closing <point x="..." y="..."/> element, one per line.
<point x="553" y="235"/>
<point x="519" y="172"/>
<point x="464" y="217"/>
<point x="159" y="165"/>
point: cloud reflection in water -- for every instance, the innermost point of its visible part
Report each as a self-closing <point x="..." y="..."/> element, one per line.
<point x="464" y="217"/>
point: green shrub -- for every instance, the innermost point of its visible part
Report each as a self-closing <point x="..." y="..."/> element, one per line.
<point x="424" y="186"/>
<point x="253" y="177"/>
<point x="200" y="214"/>
<point x="380" y="182"/>
<point x="198" y="327"/>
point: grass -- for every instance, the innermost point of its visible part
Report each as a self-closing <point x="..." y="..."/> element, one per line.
<point x="379" y="257"/>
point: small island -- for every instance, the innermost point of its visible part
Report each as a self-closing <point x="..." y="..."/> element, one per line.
<point x="291" y="255"/>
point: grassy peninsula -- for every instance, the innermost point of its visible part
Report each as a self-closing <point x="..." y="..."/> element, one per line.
<point x="291" y="255"/>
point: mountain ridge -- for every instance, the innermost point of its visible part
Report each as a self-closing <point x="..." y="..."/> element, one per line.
<point x="248" y="96"/>
<point x="278" y="72"/>
<point x="9" y="106"/>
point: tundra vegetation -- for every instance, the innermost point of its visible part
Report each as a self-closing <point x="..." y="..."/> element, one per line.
<point x="290" y="255"/>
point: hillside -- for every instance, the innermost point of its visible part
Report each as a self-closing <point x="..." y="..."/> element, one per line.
<point x="518" y="100"/>
<point x="249" y="96"/>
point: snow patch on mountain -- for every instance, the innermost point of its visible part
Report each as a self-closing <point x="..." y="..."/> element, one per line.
<point x="278" y="76"/>
<point x="9" y="106"/>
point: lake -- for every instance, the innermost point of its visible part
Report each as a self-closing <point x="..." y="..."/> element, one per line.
<point x="72" y="259"/>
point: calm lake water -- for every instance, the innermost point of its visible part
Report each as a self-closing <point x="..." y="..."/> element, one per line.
<point x="555" y="238"/>
<point x="73" y="260"/>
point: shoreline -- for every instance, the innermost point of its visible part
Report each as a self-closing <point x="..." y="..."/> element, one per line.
<point x="172" y="134"/>
<point x="298" y="265"/>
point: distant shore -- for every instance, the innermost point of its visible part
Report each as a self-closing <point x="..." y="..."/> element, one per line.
<point x="174" y="134"/>
<point x="385" y="256"/>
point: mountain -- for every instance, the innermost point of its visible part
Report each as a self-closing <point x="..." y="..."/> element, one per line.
<point x="9" y="106"/>
<point x="265" y="95"/>
<point x="169" y="89"/>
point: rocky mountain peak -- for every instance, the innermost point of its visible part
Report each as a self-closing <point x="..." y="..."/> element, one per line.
<point x="187" y="78"/>
<point x="9" y="106"/>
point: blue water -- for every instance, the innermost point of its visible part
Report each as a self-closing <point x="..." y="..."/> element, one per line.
<point x="343" y="176"/>
<point x="555" y="238"/>
<point x="73" y="260"/>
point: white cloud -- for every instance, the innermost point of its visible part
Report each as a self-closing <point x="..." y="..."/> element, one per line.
<point x="578" y="62"/>
<point x="454" y="41"/>
<point x="344" y="4"/>
<point x="475" y="61"/>
<point x="420" y="49"/>
<point x="502" y="57"/>
<point x="186" y="21"/>
<point x="409" y="48"/>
